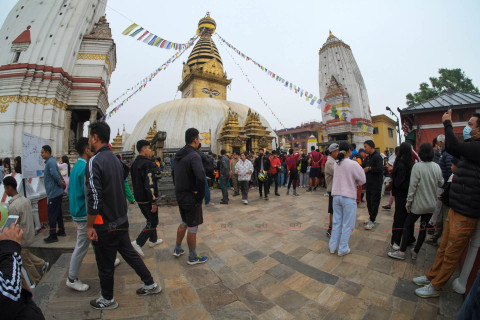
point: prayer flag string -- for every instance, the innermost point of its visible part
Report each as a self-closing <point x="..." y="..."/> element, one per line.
<point x="134" y="30"/>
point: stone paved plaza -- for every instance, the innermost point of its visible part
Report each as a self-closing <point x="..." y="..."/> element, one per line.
<point x="267" y="260"/>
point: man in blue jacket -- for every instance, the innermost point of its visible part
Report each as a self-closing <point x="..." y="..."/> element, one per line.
<point x="54" y="185"/>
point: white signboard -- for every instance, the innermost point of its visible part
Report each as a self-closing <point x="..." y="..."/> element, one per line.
<point x="33" y="164"/>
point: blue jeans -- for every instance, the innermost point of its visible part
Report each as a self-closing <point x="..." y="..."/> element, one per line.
<point x="344" y="217"/>
<point x="471" y="305"/>
<point x="281" y="179"/>
<point x="207" y="192"/>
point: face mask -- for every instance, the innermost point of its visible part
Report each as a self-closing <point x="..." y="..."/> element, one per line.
<point x="466" y="133"/>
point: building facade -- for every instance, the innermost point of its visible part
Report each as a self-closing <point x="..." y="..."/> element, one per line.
<point x="423" y="122"/>
<point x="297" y="138"/>
<point x="346" y="109"/>
<point x="384" y="133"/>
<point x="56" y="59"/>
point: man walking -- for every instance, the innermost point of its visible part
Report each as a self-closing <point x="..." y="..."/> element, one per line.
<point x="315" y="159"/>
<point x="145" y="191"/>
<point x="262" y="165"/>
<point x="107" y="221"/>
<point x="329" y="171"/>
<point x="292" y="171"/>
<point x="233" y="163"/>
<point x="273" y="172"/>
<point x="224" y="175"/>
<point x="54" y="186"/>
<point x="464" y="206"/>
<point x="22" y="207"/>
<point x="373" y="167"/>
<point x="244" y="170"/>
<point x="189" y="190"/>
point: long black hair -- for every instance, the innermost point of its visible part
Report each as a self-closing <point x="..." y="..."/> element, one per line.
<point x="18" y="164"/>
<point x="343" y="148"/>
<point x="65" y="160"/>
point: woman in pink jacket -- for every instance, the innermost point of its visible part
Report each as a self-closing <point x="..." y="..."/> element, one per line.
<point x="347" y="175"/>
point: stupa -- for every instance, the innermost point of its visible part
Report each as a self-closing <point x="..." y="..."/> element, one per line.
<point x="342" y="86"/>
<point x="222" y="124"/>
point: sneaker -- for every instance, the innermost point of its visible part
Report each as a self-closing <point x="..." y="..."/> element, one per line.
<point x="178" y="252"/>
<point x="309" y="189"/>
<point x="266" y="198"/>
<point x="103" y="304"/>
<point x="288" y="192"/>
<point x="223" y="202"/>
<point x="427" y="291"/>
<point x="370" y="225"/>
<point x="210" y="204"/>
<point x="196" y="260"/>
<point x="277" y="194"/>
<point x="145" y="290"/>
<point x="50" y="239"/>
<point x="295" y="194"/>
<point x="421" y="281"/>
<point x="395" y="246"/>
<point x="326" y="194"/>
<point x="387" y="207"/>
<point x="61" y="233"/>
<point x="329" y="233"/>
<point x="116" y="263"/>
<point x="344" y="253"/>
<point x="45" y="267"/>
<point x="153" y="244"/>
<point x="366" y="221"/>
<point x="236" y="194"/>
<point x="245" y="202"/>
<point x="414" y="254"/>
<point x="458" y="287"/>
<point x="138" y="248"/>
<point x="332" y="251"/>
<point x="396" y="255"/>
<point x="77" y="285"/>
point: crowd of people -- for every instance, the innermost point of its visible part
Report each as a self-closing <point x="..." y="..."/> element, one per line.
<point x="439" y="186"/>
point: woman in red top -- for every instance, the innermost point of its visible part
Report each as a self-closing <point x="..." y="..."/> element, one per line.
<point x="273" y="172"/>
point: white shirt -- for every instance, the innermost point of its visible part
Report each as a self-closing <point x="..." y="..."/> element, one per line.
<point x="242" y="167"/>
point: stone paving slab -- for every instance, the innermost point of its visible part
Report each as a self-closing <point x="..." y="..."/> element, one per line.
<point x="267" y="260"/>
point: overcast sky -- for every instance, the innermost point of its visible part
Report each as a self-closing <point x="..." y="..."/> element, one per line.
<point x="397" y="45"/>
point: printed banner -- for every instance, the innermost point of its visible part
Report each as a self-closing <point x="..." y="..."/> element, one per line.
<point x="134" y="30"/>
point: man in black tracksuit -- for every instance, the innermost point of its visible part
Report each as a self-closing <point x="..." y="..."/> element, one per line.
<point x="145" y="190"/>
<point x="189" y="190"/>
<point x="107" y="222"/>
<point x="262" y="165"/>
<point x="373" y="167"/>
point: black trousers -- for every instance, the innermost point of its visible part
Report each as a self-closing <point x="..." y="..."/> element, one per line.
<point x="293" y="179"/>
<point x="150" y="230"/>
<point x="109" y="242"/>
<point x="373" y="202"/>
<point x="273" y="177"/>
<point x="54" y="210"/>
<point x="244" y="187"/>
<point x="409" y="225"/>
<point x="266" y="186"/>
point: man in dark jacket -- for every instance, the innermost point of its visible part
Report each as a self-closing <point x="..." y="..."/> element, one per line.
<point x="107" y="222"/>
<point x="207" y="162"/>
<point x="189" y="190"/>
<point x="373" y="167"/>
<point x="262" y="165"/>
<point x="224" y="175"/>
<point x="145" y="190"/>
<point x="464" y="203"/>
<point x="15" y="296"/>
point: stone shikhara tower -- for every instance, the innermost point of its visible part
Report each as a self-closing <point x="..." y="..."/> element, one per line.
<point x="56" y="59"/>
<point x="342" y="86"/>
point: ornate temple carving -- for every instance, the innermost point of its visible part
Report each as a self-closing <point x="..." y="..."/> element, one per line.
<point x="117" y="143"/>
<point x="152" y="132"/>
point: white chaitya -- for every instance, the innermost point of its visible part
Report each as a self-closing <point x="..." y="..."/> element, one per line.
<point x="341" y="85"/>
<point x="56" y="59"/>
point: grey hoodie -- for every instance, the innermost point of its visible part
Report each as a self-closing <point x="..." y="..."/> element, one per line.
<point x="425" y="179"/>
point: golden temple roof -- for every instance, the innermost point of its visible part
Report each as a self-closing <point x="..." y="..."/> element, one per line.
<point x="205" y="49"/>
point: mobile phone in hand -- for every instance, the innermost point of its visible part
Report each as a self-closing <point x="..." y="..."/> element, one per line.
<point x="10" y="220"/>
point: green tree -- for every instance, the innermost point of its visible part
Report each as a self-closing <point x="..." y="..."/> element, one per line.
<point x="453" y="79"/>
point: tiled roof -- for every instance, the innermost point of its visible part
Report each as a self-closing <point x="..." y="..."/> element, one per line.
<point x="444" y="101"/>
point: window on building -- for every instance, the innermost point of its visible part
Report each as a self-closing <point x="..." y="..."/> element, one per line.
<point x="16" y="57"/>
<point x="390" y="132"/>
<point x="375" y="130"/>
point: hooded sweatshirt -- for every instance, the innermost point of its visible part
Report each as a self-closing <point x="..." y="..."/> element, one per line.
<point x="189" y="176"/>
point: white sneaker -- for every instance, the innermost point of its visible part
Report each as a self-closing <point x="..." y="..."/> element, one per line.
<point x="77" y="285"/>
<point x="366" y="221"/>
<point x="421" y="281"/>
<point x="116" y="263"/>
<point x="246" y="202"/>
<point x="153" y="244"/>
<point x="344" y="253"/>
<point x="210" y="204"/>
<point x="369" y="225"/>
<point x="138" y="248"/>
<point x="458" y="287"/>
<point x="427" y="291"/>
<point x="395" y="246"/>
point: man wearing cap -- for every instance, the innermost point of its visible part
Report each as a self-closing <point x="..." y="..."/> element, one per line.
<point x="329" y="171"/>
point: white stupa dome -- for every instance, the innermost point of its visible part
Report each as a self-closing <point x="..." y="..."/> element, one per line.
<point x="204" y="114"/>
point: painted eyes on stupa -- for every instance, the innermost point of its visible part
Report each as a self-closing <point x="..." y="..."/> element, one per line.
<point x="212" y="92"/>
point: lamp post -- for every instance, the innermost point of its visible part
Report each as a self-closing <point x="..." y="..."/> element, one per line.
<point x="398" y="125"/>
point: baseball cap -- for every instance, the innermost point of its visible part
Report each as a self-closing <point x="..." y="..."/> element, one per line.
<point x="333" y="147"/>
<point x="361" y="150"/>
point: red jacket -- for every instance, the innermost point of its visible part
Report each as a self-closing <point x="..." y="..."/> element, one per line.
<point x="274" y="163"/>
